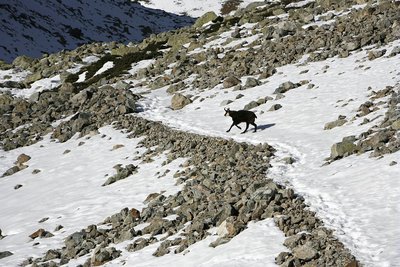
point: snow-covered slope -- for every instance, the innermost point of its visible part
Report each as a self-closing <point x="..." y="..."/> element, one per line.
<point x="358" y="196"/>
<point x="331" y="112"/>
<point x="35" y="27"/>
<point x="195" y="8"/>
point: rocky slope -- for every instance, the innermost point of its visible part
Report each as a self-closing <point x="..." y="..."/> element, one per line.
<point x="37" y="27"/>
<point x="227" y="192"/>
<point x="231" y="189"/>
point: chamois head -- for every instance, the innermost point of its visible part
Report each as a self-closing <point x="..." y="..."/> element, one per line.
<point x="227" y="110"/>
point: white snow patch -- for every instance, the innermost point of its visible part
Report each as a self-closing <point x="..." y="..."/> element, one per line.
<point x="108" y="65"/>
<point x="82" y="77"/>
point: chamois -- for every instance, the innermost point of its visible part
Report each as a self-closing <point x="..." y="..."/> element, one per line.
<point x="241" y="116"/>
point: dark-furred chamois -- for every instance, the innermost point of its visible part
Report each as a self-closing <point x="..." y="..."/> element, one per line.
<point x="240" y="116"/>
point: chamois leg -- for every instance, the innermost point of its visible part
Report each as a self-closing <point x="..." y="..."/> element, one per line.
<point x="247" y="127"/>
<point x="238" y="126"/>
<point x="230" y="127"/>
<point x="255" y="126"/>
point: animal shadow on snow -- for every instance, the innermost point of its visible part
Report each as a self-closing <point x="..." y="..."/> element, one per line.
<point x="265" y="126"/>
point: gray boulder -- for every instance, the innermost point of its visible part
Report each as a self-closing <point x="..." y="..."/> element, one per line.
<point x="396" y="125"/>
<point x="4" y="254"/>
<point x="286" y="86"/>
<point x="251" y="82"/>
<point x="305" y="252"/>
<point x="52" y="254"/>
<point x="207" y="17"/>
<point x="11" y="171"/>
<point x="23" y="62"/>
<point x="225" y="102"/>
<point x="179" y="101"/>
<point x="219" y="241"/>
<point x="103" y="255"/>
<point x="122" y="85"/>
<point x="333" y="124"/>
<point x="175" y="87"/>
<point x="374" y="54"/>
<point x="293" y="241"/>
<point x="251" y="105"/>
<point x="275" y="107"/>
<point x="81" y="97"/>
<point x="80" y="121"/>
<point x="343" y="149"/>
<point x="231" y="81"/>
<point x="12" y="84"/>
<point x="395" y="51"/>
<point x="122" y="173"/>
<point x="353" y="45"/>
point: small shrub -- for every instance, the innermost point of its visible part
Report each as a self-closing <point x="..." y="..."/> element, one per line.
<point x="121" y="64"/>
<point x="72" y="78"/>
<point x="76" y="33"/>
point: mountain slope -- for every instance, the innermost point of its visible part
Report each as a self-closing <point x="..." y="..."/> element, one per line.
<point x="35" y="27"/>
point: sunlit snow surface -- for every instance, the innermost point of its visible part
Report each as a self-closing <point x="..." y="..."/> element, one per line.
<point x="191" y="8"/>
<point x="358" y="196"/>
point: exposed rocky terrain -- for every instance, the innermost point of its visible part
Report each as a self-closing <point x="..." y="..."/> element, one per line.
<point x="224" y="183"/>
<point x="227" y="192"/>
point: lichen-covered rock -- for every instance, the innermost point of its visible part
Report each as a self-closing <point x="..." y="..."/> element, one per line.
<point x="124" y="50"/>
<point x="231" y="81"/>
<point x="33" y="78"/>
<point x="207" y="17"/>
<point x="333" y="124"/>
<point x="293" y="241"/>
<point x="251" y="82"/>
<point x="103" y="255"/>
<point x="122" y="173"/>
<point x="396" y="125"/>
<point x="284" y="87"/>
<point x="343" y="149"/>
<point x="251" y="105"/>
<point x="175" y="87"/>
<point x="23" y="62"/>
<point x="305" y="252"/>
<point x="80" y="120"/>
<point x="179" y="101"/>
<point x="81" y="97"/>
<point x="52" y="254"/>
